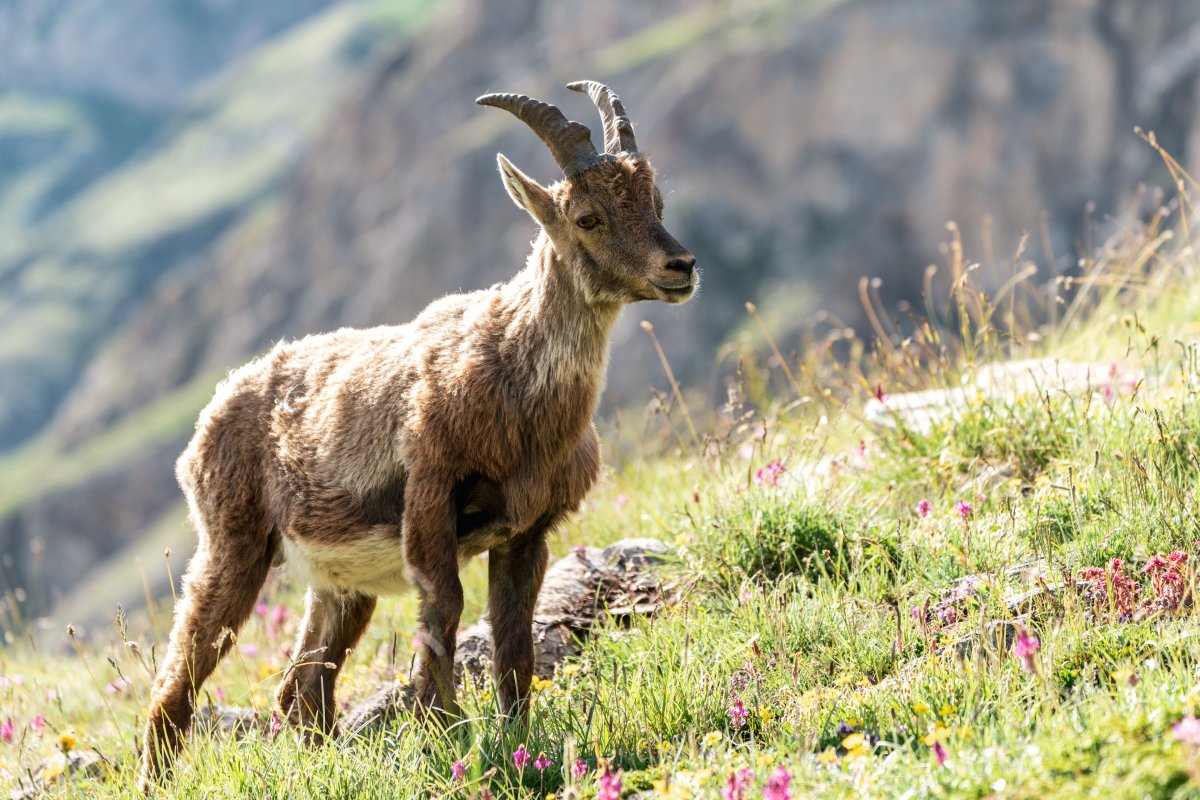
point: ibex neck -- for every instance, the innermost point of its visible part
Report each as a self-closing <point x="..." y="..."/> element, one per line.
<point x="560" y="337"/>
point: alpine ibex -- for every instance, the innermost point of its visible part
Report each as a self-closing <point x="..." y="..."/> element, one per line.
<point x="375" y="459"/>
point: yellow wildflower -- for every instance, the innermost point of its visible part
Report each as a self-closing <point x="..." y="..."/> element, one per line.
<point x="664" y="788"/>
<point x="702" y="776"/>
<point x="538" y="684"/>
<point x="683" y="539"/>
<point x="964" y="732"/>
<point x="1123" y="675"/>
<point x="811" y="698"/>
<point x="55" y="765"/>
<point x="828" y="756"/>
<point x="763" y="760"/>
<point x="937" y="733"/>
<point x="920" y="708"/>
<point x="711" y="738"/>
<point x="947" y="710"/>
<point x="570" y="669"/>
<point x="665" y="747"/>
<point x="68" y="739"/>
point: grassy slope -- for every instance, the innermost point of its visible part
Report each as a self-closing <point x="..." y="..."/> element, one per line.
<point x="802" y="607"/>
<point x="802" y="610"/>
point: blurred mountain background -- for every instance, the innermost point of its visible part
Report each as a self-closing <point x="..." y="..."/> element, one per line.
<point x="184" y="182"/>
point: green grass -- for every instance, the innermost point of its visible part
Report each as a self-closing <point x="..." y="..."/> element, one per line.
<point x="818" y="598"/>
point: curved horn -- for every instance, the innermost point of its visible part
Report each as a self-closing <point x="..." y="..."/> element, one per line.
<point x="570" y="142"/>
<point x="618" y="130"/>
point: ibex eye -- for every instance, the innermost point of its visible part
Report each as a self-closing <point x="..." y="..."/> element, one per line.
<point x="588" y="221"/>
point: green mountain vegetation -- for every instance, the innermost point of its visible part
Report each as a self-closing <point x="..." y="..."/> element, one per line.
<point x="70" y="273"/>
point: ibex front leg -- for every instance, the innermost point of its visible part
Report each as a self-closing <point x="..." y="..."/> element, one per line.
<point x="431" y="552"/>
<point x="515" y="572"/>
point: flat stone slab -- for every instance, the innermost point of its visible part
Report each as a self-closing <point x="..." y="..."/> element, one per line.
<point x="1003" y="381"/>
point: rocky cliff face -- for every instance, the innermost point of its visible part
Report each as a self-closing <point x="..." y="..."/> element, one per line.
<point x="801" y="146"/>
<point x="795" y="150"/>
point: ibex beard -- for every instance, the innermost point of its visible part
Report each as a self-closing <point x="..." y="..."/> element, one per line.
<point x="372" y="460"/>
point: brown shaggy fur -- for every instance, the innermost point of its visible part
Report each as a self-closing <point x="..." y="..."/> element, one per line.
<point x="375" y="459"/>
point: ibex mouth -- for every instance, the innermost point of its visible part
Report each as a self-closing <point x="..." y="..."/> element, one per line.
<point x="683" y="284"/>
<point x="675" y="293"/>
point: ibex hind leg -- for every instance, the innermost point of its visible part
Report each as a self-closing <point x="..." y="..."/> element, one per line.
<point x="220" y="587"/>
<point x="333" y="624"/>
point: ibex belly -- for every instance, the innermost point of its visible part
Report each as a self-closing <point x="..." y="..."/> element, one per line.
<point x="370" y="558"/>
<point x="370" y="563"/>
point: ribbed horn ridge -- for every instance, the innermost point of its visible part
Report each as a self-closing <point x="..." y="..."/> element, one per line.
<point x="618" y="130"/>
<point x="570" y="142"/>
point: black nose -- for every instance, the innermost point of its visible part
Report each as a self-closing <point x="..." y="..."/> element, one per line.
<point x="685" y="264"/>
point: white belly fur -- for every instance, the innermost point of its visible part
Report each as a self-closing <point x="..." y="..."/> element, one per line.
<point x="371" y="564"/>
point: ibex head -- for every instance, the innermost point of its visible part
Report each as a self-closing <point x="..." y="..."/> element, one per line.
<point x="605" y="218"/>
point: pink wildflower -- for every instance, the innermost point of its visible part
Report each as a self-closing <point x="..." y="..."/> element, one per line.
<point x="1026" y="649"/>
<point x="770" y="474"/>
<point x="621" y="501"/>
<point x="1170" y="591"/>
<point x="939" y="754"/>
<point x="610" y="786"/>
<point x="880" y="394"/>
<point x="542" y="762"/>
<point x="924" y="508"/>
<point x="1177" y="557"/>
<point x="6" y="731"/>
<point x="459" y="770"/>
<point x="279" y="614"/>
<point x="777" y="785"/>
<point x="521" y="757"/>
<point x="37" y="723"/>
<point x="738" y="714"/>
<point x="118" y="685"/>
<point x="276" y="722"/>
<point x="579" y="769"/>
<point x="739" y="781"/>
<point x="1155" y="564"/>
<point x="1187" y="730"/>
<point x="964" y="509"/>
<point x="249" y="651"/>
<point x="261" y="609"/>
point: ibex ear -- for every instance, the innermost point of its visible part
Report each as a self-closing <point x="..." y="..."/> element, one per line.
<point x="526" y="192"/>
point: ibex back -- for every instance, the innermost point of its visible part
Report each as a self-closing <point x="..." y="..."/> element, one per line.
<point x="375" y="459"/>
